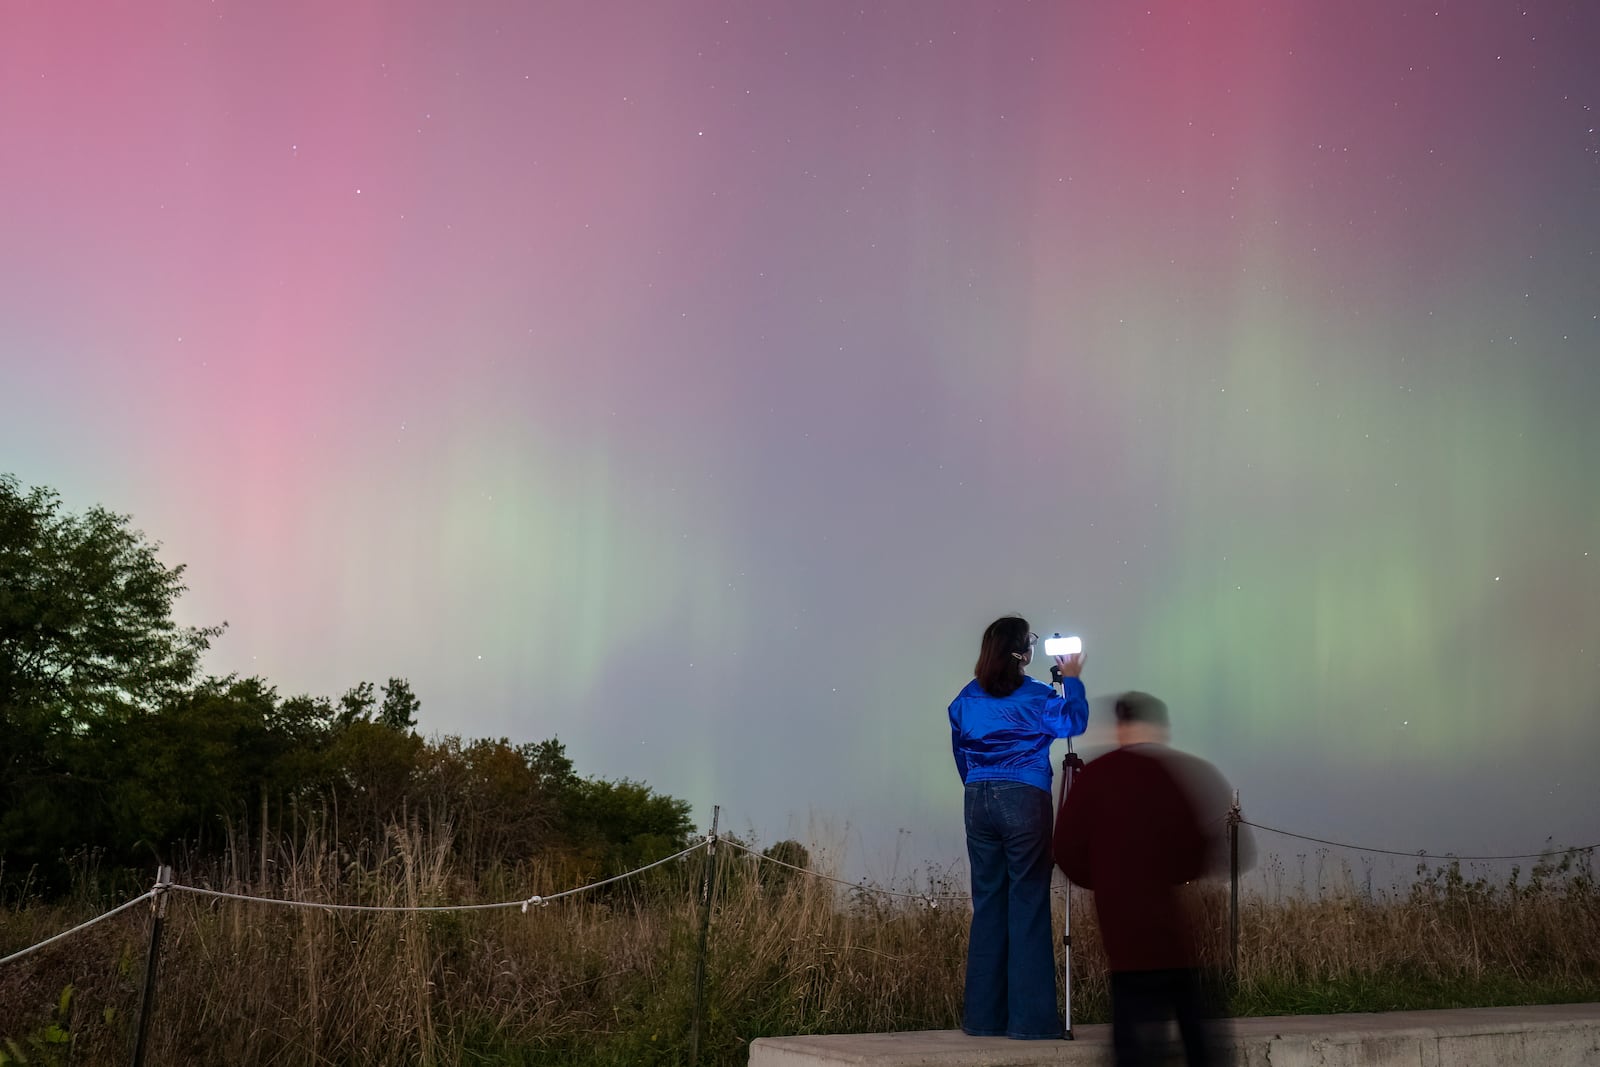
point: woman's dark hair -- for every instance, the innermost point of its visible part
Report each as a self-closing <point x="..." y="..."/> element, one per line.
<point x="999" y="672"/>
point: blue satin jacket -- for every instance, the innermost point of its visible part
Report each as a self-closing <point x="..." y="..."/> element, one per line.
<point x="1008" y="738"/>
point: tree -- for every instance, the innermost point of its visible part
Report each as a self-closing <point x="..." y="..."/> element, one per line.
<point x="624" y="823"/>
<point x="374" y="770"/>
<point x="398" y="711"/>
<point x="549" y="762"/>
<point x="357" y="703"/>
<point x="400" y="706"/>
<point x="86" y="625"/>
<point x="109" y="743"/>
<point x="790" y="854"/>
<point x="87" y="641"/>
<point x="188" y="769"/>
<point x="498" y="807"/>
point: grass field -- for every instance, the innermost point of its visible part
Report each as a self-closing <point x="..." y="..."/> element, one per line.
<point x="608" y="977"/>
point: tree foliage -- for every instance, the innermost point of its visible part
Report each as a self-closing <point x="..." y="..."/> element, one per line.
<point x="109" y="740"/>
<point x="86" y="628"/>
<point x="87" y="643"/>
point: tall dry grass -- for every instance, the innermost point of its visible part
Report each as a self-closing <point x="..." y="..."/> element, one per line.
<point x="1447" y="938"/>
<point x="607" y="977"/>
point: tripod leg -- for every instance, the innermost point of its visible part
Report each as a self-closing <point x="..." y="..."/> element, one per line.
<point x="1066" y="978"/>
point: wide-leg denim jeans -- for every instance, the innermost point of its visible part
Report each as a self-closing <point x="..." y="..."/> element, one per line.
<point x="1011" y="974"/>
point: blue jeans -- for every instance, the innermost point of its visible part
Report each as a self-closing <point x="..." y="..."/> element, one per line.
<point x="1011" y="967"/>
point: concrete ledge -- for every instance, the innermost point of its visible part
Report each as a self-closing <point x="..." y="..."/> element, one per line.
<point x="1549" y="1035"/>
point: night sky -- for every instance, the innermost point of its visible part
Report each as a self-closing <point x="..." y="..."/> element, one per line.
<point x="695" y="381"/>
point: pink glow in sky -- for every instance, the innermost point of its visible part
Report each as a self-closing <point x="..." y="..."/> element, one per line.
<point x="695" y="382"/>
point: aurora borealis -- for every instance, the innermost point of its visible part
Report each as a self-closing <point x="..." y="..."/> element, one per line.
<point x="695" y="382"/>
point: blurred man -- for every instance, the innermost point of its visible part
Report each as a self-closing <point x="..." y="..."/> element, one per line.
<point x="1141" y="822"/>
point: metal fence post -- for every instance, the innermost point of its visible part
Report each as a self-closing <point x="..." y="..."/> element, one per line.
<point x="709" y="886"/>
<point x="1233" y="879"/>
<point x="152" y="961"/>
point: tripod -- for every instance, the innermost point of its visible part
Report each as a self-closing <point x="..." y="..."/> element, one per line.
<point x="1071" y="764"/>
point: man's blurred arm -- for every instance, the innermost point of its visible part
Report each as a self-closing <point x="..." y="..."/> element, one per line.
<point x="1071" y="844"/>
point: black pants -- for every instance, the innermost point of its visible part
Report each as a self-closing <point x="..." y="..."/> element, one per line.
<point x="1144" y="1002"/>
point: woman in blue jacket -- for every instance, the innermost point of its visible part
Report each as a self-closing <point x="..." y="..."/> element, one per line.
<point x="1001" y="727"/>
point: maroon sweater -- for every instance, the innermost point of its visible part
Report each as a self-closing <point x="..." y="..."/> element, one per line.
<point x="1139" y="822"/>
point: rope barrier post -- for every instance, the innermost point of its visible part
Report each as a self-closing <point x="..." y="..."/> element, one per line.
<point x="708" y="887"/>
<point x="152" y="961"/>
<point x="1233" y="880"/>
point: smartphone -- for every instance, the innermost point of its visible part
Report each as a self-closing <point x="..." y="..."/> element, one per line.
<point x="1063" y="646"/>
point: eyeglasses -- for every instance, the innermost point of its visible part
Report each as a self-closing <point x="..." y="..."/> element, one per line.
<point x="1033" y="639"/>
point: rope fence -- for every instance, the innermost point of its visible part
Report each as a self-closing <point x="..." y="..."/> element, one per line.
<point x="536" y="900"/>
<point x="931" y="899"/>
<point x="164" y="884"/>
<point x="1422" y="853"/>
<point x="31" y="949"/>
<point x="524" y="904"/>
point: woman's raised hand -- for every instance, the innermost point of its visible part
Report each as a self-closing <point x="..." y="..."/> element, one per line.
<point x="1070" y="666"/>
